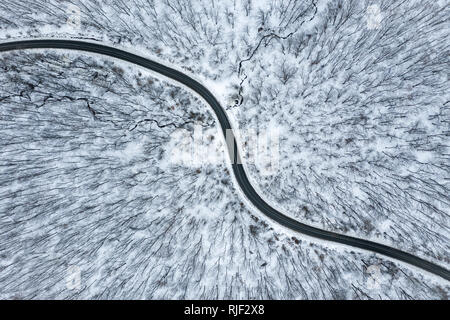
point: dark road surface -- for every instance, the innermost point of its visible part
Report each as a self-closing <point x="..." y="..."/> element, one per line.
<point x="238" y="169"/>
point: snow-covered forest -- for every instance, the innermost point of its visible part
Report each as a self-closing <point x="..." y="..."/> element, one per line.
<point x="86" y="187"/>
<point x="358" y="93"/>
<point x="363" y="117"/>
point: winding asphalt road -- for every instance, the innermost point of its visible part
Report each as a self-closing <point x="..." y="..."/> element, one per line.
<point x="238" y="169"/>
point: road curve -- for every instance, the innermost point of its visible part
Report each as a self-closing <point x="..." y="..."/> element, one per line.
<point x="238" y="169"/>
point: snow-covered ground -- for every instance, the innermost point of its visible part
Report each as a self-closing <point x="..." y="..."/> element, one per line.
<point x="91" y="206"/>
<point x="356" y="90"/>
<point x="362" y="113"/>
